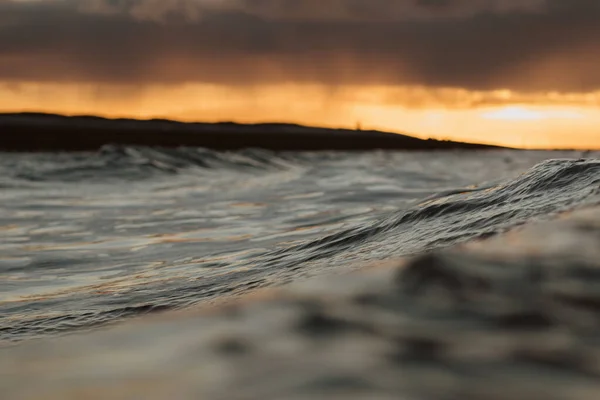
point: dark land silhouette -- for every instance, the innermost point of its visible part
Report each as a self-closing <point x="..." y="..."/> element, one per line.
<point x="49" y="132"/>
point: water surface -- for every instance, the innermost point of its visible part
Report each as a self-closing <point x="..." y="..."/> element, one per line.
<point x="90" y="238"/>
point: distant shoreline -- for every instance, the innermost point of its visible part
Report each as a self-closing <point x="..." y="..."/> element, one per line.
<point x="33" y="132"/>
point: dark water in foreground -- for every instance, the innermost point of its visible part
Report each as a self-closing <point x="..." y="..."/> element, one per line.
<point x="90" y="238"/>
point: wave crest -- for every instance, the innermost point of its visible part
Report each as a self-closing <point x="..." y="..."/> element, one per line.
<point x="134" y="163"/>
<point x="546" y="189"/>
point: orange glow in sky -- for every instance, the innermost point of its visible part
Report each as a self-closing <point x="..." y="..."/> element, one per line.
<point x="543" y="120"/>
<point x="514" y="113"/>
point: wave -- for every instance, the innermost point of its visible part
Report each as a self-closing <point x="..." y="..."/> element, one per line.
<point x="135" y="163"/>
<point x="443" y="220"/>
<point x="438" y="221"/>
<point x="173" y="160"/>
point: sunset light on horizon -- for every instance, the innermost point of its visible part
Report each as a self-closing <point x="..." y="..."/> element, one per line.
<point x="533" y="121"/>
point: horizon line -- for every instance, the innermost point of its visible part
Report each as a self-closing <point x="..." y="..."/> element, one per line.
<point x="359" y="127"/>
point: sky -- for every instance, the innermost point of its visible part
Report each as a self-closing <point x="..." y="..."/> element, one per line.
<point x="514" y="72"/>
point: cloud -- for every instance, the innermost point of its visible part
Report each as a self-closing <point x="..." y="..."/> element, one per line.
<point x="331" y="10"/>
<point x="520" y="45"/>
<point x="150" y="10"/>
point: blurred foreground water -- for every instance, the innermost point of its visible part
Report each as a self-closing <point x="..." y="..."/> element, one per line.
<point x="511" y="317"/>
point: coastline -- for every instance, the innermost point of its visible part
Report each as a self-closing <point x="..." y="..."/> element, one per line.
<point x="47" y="132"/>
<point x="512" y="316"/>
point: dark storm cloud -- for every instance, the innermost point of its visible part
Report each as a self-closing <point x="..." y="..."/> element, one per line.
<point x="474" y="44"/>
<point x="330" y="10"/>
